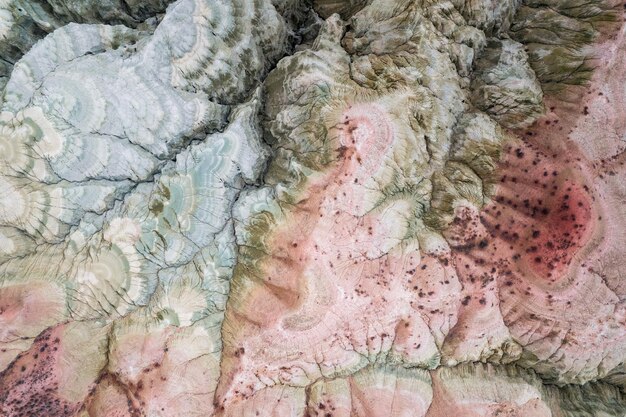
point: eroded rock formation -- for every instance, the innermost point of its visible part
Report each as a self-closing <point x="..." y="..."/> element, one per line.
<point x="336" y="208"/>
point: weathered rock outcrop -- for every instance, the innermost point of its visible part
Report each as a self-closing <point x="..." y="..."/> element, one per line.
<point x="284" y="208"/>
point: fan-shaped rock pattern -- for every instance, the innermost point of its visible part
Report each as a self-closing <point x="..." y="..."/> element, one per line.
<point x="312" y="208"/>
<point x="23" y="23"/>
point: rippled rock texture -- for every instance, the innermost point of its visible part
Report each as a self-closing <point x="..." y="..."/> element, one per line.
<point x="327" y="208"/>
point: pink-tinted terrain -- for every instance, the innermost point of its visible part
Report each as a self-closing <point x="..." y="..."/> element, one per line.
<point x="314" y="209"/>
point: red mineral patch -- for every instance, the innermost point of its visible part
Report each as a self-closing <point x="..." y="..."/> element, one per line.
<point x="527" y="238"/>
<point x="541" y="215"/>
<point x="29" y="385"/>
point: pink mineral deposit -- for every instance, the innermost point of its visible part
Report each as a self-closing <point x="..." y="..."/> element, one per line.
<point x="312" y="208"/>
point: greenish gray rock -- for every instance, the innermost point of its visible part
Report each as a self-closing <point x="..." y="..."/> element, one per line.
<point x="504" y="85"/>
